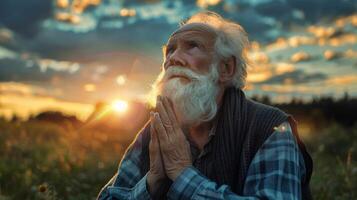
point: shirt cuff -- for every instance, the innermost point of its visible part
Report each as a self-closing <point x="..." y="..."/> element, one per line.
<point x="139" y="191"/>
<point x="186" y="184"/>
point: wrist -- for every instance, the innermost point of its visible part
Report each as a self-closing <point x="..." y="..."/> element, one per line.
<point x="153" y="182"/>
<point x="178" y="172"/>
<point x="154" y="177"/>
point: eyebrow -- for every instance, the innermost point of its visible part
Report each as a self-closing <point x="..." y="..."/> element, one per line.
<point x="171" y="41"/>
<point x="197" y="39"/>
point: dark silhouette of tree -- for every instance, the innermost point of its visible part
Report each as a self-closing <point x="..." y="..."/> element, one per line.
<point x="57" y="117"/>
<point x="320" y="110"/>
<point x="14" y="118"/>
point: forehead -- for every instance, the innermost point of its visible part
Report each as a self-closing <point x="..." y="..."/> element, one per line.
<point x="194" y="31"/>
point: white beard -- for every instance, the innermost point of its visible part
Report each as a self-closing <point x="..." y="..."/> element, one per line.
<point x="195" y="101"/>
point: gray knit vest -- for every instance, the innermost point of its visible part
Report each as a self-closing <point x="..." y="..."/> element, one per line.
<point x="242" y="127"/>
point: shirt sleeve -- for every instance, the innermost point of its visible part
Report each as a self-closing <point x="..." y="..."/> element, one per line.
<point x="128" y="182"/>
<point x="274" y="173"/>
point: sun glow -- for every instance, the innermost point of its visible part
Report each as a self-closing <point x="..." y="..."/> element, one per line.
<point x="120" y="106"/>
<point x="121" y="79"/>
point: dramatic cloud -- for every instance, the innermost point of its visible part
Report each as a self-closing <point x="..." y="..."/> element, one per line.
<point x="294" y="77"/>
<point x="13" y="95"/>
<point x="106" y="50"/>
<point x="15" y="68"/>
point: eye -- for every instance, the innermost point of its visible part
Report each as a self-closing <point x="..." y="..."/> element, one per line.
<point x="169" y="49"/>
<point x="193" y="44"/>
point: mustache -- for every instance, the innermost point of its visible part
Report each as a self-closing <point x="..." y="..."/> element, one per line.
<point x="180" y="71"/>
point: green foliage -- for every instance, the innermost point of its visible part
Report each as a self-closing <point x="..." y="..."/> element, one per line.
<point x="334" y="152"/>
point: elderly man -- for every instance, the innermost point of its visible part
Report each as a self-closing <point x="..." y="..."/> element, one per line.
<point x="205" y="139"/>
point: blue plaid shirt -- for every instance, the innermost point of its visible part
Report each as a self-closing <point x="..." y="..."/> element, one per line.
<point x="275" y="172"/>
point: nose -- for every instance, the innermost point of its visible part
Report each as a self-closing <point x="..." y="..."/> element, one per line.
<point x="175" y="59"/>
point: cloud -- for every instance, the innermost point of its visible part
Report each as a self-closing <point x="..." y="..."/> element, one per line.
<point x="292" y="89"/>
<point x="276" y="9"/>
<point x="24" y="17"/>
<point x="315" y="10"/>
<point x="60" y="66"/>
<point x="12" y="102"/>
<point x="6" y="53"/>
<point x="258" y="27"/>
<point x="6" y="36"/>
<point x="75" y="23"/>
<point x="15" y="68"/>
<point x="295" y="77"/>
<point x="342" y="80"/>
<point x="115" y="15"/>
<point x="20" y="89"/>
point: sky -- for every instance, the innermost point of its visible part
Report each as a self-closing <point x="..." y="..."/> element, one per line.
<point x="68" y="55"/>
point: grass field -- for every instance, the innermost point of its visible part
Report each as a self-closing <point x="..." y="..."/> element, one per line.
<point x="44" y="160"/>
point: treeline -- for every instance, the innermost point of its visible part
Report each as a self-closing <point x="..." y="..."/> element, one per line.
<point x="319" y="111"/>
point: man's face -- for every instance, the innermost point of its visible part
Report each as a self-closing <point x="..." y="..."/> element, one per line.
<point x="192" y="47"/>
<point x="190" y="75"/>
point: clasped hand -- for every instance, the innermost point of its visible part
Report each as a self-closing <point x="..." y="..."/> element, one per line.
<point x="169" y="149"/>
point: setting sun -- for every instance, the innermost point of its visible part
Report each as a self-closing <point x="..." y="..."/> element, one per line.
<point x="120" y="106"/>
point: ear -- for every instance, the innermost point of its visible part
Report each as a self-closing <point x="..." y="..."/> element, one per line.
<point x="227" y="69"/>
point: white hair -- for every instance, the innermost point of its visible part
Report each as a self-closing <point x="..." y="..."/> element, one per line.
<point x="232" y="40"/>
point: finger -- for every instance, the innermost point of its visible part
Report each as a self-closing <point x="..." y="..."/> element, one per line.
<point x="153" y="139"/>
<point x="160" y="130"/>
<point x="162" y="110"/>
<point x="155" y="145"/>
<point x="164" y="116"/>
<point x="170" y="112"/>
<point x="152" y="131"/>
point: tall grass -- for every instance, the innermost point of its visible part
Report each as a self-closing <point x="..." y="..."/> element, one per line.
<point x="43" y="160"/>
<point x="334" y="151"/>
